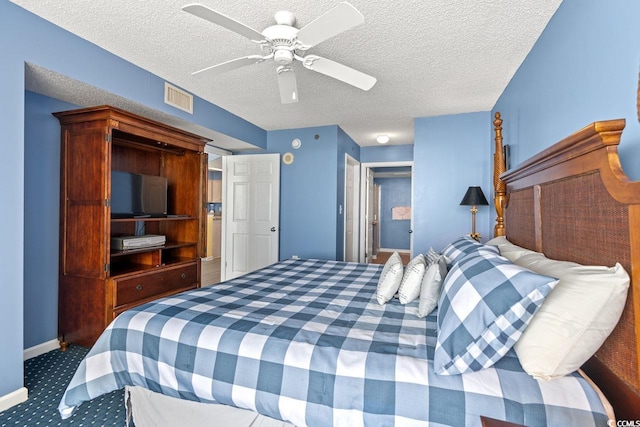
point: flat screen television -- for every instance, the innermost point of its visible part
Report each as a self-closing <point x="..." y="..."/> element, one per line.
<point x="135" y="195"/>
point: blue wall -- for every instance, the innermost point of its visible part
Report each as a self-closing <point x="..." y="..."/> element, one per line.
<point x="386" y="153"/>
<point x="312" y="190"/>
<point x="214" y="175"/>
<point x="41" y="216"/>
<point x="12" y="196"/>
<point x="450" y="154"/>
<point x="584" y="68"/>
<point x="308" y="192"/>
<point x="394" y="234"/>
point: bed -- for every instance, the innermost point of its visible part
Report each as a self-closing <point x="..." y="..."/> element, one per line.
<point x="305" y="342"/>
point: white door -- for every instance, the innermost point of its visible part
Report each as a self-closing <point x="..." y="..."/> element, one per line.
<point x="351" y="208"/>
<point x="251" y="213"/>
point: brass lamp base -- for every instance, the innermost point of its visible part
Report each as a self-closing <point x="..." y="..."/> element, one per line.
<point x="473" y="233"/>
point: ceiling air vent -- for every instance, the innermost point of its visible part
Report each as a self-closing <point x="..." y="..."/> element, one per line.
<point x="178" y="98"/>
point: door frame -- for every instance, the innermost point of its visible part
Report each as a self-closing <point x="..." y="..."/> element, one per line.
<point x="210" y="151"/>
<point x="351" y="162"/>
<point x="364" y="167"/>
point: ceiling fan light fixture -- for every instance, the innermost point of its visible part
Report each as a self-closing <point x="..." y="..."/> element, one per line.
<point x="283" y="56"/>
<point x="382" y="139"/>
<point x="287" y="84"/>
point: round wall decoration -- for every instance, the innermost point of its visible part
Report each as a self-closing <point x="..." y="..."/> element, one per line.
<point x="287" y="158"/>
<point x="296" y="143"/>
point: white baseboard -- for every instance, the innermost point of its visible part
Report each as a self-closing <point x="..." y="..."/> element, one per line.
<point x="14" y="398"/>
<point x="400" y="251"/>
<point x="39" y="349"/>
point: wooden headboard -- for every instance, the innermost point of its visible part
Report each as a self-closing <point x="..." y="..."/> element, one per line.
<point x="573" y="202"/>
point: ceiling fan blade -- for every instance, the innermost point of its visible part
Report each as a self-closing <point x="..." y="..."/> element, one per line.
<point x="287" y="85"/>
<point x="340" y="72"/>
<point x="339" y="19"/>
<point x="231" y="65"/>
<point x="224" y="21"/>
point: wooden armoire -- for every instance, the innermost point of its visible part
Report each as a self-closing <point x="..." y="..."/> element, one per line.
<point x="98" y="282"/>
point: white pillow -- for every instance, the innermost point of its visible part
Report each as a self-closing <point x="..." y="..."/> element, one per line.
<point x="411" y="280"/>
<point x="576" y="317"/>
<point x="431" y="286"/>
<point x="509" y="250"/>
<point x="431" y="256"/>
<point x="390" y="278"/>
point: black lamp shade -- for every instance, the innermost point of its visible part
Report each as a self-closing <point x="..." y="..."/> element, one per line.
<point x="474" y="197"/>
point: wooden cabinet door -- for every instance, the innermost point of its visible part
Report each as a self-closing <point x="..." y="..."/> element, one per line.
<point x="83" y="196"/>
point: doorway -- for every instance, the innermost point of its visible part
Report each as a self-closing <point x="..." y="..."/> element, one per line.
<point x="387" y="217"/>
<point x="211" y="263"/>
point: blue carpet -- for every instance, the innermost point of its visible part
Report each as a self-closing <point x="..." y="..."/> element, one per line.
<point x="46" y="378"/>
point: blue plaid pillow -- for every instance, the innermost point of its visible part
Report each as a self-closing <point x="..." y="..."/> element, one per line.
<point x="464" y="246"/>
<point x="485" y="305"/>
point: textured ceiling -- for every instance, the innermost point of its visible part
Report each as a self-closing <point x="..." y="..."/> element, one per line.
<point x="430" y="57"/>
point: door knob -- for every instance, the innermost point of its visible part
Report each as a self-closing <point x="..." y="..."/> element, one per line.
<point x="410" y="231"/>
<point x="273" y="229"/>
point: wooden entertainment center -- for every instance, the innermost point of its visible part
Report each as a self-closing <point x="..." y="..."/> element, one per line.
<point x="97" y="282"/>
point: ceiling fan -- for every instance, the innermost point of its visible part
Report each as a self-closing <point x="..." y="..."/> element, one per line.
<point x="283" y="43"/>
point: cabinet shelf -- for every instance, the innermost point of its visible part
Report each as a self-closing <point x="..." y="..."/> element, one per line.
<point x="149" y="219"/>
<point x="167" y="245"/>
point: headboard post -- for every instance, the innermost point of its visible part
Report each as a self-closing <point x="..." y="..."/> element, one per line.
<point x="499" y="187"/>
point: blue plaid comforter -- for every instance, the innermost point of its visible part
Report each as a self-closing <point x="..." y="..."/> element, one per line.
<point x="305" y="341"/>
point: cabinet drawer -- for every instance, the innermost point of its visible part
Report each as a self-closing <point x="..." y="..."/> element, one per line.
<point x="138" y="288"/>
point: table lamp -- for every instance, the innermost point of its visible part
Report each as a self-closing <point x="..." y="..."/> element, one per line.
<point x="474" y="197"/>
